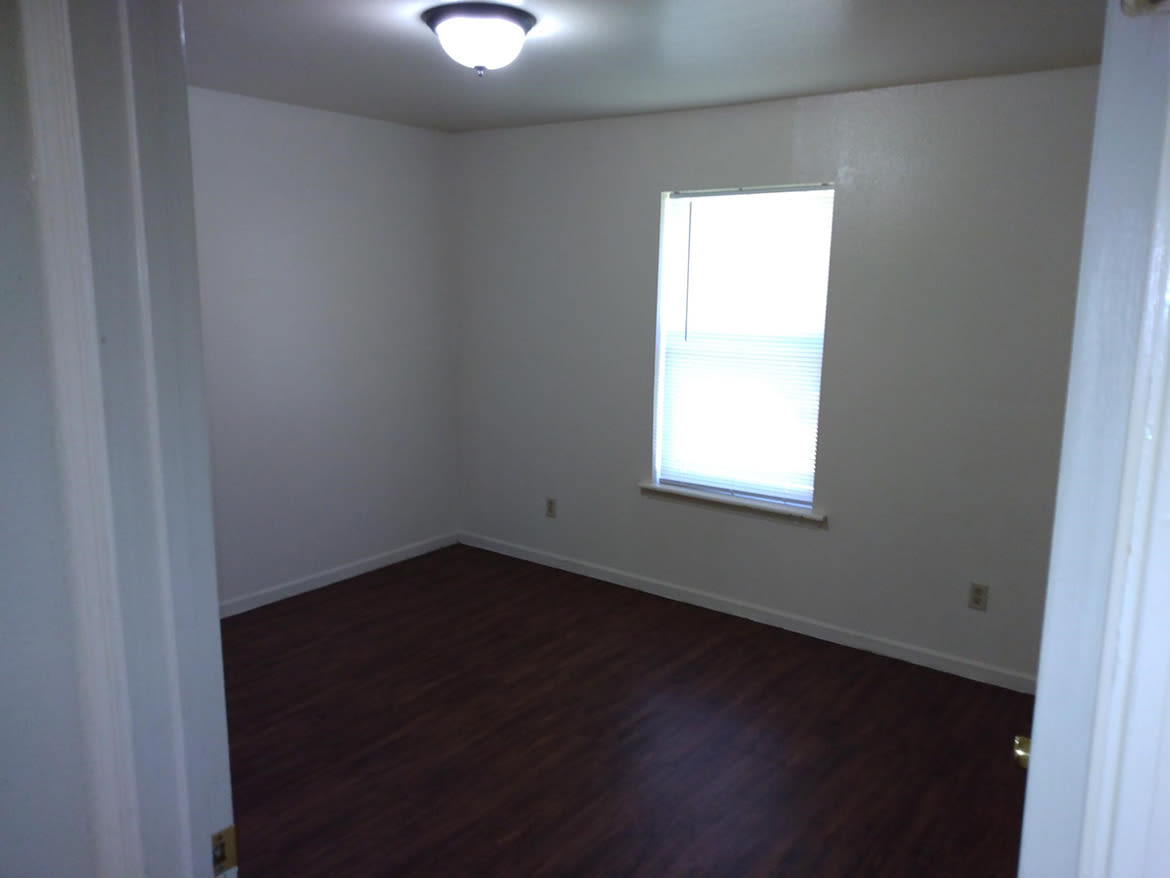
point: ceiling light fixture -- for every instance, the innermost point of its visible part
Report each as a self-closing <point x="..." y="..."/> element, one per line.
<point x="482" y="36"/>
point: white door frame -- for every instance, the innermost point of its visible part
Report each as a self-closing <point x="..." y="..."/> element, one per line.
<point x="107" y="104"/>
<point x="1097" y="783"/>
<point x="82" y="451"/>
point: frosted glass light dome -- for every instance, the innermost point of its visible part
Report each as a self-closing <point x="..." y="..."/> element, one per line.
<point x="482" y="36"/>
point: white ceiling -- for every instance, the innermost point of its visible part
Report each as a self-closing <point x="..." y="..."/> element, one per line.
<point x="590" y="58"/>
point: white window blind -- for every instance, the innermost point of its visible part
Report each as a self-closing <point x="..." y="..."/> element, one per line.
<point x="743" y="281"/>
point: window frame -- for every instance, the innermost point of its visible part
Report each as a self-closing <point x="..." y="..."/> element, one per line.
<point x="706" y="494"/>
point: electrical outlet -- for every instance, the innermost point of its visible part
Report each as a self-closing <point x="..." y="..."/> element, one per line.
<point x="1142" y="7"/>
<point x="550" y="507"/>
<point x="977" y="597"/>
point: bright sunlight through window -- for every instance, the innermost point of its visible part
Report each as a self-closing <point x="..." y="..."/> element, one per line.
<point x="743" y="281"/>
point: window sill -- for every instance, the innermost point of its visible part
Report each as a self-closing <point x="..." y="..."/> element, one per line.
<point x="777" y="508"/>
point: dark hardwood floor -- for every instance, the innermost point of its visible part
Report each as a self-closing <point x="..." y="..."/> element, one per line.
<point x="464" y="713"/>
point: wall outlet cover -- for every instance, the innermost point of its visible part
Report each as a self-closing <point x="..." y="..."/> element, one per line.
<point x="978" y="596"/>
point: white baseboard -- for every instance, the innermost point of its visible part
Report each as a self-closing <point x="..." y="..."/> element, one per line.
<point x="918" y="655"/>
<point x="328" y="577"/>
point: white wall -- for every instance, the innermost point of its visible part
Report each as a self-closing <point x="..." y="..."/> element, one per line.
<point x="326" y="330"/>
<point x="329" y="310"/>
<point x="958" y="222"/>
<point x="43" y="790"/>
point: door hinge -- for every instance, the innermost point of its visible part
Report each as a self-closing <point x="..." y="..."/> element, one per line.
<point x="1144" y="7"/>
<point x="223" y="850"/>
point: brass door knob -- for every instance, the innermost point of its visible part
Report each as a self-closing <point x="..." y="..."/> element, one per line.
<point x="1021" y="749"/>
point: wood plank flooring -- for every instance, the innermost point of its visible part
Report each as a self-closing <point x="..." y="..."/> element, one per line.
<point x="464" y="713"/>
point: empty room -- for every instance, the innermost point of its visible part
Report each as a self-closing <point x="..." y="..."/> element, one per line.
<point x="416" y="338"/>
<point x="585" y="438"/>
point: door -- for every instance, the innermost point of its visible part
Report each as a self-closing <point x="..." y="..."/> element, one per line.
<point x="104" y="111"/>
<point x="1098" y="785"/>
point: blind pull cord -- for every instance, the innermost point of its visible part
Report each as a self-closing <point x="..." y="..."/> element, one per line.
<point x="690" y="247"/>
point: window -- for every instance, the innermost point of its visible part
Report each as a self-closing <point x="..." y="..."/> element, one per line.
<point x="743" y="282"/>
